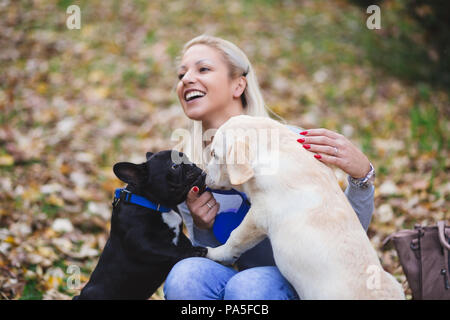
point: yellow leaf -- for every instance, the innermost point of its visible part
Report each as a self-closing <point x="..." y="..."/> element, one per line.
<point x="113" y="48"/>
<point x="54" y="279"/>
<point x="101" y="92"/>
<point x="49" y="233"/>
<point x="47" y="252"/>
<point x="32" y="193"/>
<point x="6" y="160"/>
<point x="83" y="278"/>
<point x="65" y="169"/>
<point x="42" y="88"/>
<point x="55" y="200"/>
<point x="95" y="76"/>
<point x="9" y="239"/>
<point x="97" y="93"/>
<point x="87" y="30"/>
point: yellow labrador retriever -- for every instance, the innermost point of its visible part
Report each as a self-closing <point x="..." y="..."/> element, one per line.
<point x="318" y="242"/>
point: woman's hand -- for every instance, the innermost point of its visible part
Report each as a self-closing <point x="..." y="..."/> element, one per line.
<point x="333" y="148"/>
<point x="203" y="208"/>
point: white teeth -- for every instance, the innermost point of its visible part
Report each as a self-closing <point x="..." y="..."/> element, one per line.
<point x="194" y="93"/>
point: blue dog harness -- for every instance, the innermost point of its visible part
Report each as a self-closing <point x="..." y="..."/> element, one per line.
<point x="126" y="196"/>
<point x="227" y="221"/>
<point x="224" y="224"/>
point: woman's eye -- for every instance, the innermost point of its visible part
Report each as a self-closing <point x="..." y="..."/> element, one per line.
<point x="181" y="75"/>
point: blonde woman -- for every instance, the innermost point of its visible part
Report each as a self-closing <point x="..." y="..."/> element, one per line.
<point x="216" y="82"/>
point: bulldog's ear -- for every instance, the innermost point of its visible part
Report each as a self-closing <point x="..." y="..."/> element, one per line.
<point x="148" y="155"/>
<point x="238" y="162"/>
<point x="129" y="172"/>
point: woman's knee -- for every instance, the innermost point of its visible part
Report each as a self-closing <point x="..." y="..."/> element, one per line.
<point x="196" y="278"/>
<point x="180" y="277"/>
<point x="260" y="283"/>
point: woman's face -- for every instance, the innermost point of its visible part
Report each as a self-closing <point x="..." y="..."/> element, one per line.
<point x="203" y="74"/>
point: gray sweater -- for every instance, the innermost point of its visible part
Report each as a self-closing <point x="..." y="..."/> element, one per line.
<point x="361" y="199"/>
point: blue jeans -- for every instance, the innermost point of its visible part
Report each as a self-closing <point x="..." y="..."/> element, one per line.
<point x="203" y="279"/>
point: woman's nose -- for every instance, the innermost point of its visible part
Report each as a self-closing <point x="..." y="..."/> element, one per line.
<point x="188" y="77"/>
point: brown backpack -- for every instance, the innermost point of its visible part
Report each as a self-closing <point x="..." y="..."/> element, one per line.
<point x="425" y="259"/>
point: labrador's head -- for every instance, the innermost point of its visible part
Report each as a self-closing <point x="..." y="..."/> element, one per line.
<point x="231" y="161"/>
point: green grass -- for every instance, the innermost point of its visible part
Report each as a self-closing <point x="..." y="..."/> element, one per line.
<point x="50" y="210"/>
<point x="425" y="127"/>
<point x="31" y="291"/>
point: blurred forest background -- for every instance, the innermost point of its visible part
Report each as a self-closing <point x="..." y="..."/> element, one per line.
<point x="74" y="102"/>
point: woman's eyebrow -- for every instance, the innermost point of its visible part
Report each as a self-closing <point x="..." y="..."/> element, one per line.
<point x="199" y="61"/>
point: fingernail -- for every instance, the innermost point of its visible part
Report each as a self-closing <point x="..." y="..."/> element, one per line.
<point x="195" y="189"/>
<point x="306" y="146"/>
<point x="304" y="132"/>
<point x="317" y="156"/>
<point x="301" y="140"/>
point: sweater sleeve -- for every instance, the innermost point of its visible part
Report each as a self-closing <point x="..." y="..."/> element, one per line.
<point x="198" y="237"/>
<point x="362" y="201"/>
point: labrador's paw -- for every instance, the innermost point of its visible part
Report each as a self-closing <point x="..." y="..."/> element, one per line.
<point x="221" y="255"/>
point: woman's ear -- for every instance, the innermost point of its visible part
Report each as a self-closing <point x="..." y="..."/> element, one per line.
<point x="240" y="87"/>
<point x="129" y="172"/>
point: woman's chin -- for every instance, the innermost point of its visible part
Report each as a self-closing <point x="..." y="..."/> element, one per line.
<point x="195" y="112"/>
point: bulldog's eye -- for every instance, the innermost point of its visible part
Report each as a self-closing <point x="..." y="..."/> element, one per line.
<point x="213" y="154"/>
<point x="175" y="166"/>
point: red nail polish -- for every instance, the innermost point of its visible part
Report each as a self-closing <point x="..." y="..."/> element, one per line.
<point x="301" y="140"/>
<point x="306" y="146"/>
<point x="304" y="132"/>
<point x="195" y="189"/>
<point x="317" y="156"/>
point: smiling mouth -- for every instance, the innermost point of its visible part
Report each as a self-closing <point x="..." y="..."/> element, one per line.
<point x="194" y="95"/>
<point x="191" y="100"/>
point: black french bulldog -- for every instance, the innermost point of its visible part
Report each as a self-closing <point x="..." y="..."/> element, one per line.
<point x="144" y="244"/>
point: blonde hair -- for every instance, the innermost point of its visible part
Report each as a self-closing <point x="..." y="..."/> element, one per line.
<point x="252" y="99"/>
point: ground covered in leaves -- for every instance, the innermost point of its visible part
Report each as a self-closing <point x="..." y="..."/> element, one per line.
<point x="74" y="102"/>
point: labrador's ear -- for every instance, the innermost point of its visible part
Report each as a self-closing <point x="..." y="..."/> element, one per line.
<point x="129" y="172"/>
<point x="238" y="161"/>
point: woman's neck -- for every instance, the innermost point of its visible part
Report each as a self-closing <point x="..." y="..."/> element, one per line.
<point x="216" y="120"/>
